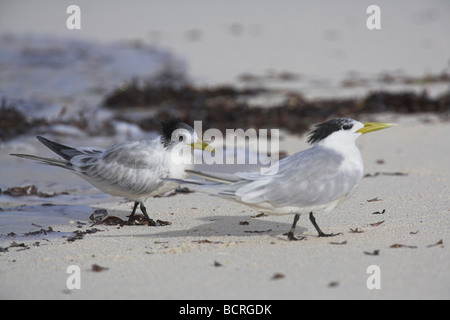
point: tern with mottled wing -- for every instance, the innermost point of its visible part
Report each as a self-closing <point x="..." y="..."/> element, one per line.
<point x="135" y="169"/>
<point x="315" y="179"/>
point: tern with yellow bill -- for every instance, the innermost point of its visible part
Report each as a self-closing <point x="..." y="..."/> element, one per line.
<point x="134" y="169"/>
<point x="313" y="180"/>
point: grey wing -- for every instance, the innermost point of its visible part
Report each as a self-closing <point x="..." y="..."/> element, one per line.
<point x="309" y="178"/>
<point x="133" y="167"/>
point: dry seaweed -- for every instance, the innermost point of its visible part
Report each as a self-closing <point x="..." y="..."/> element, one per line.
<point x="30" y="190"/>
<point x="225" y="107"/>
<point x="397" y="245"/>
<point x="78" y="234"/>
<point x="258" y="231"/>
<point x="278" y="276"/>
<point x="439" y="243"/>
<point x="140" y="220"/>
<point x="97" y="268"/>
<point x="14" y="123"/>
<point x="376" y="174"/>
<point x="373" y="253"/>
<point x="376" y="224"/>
<point x="374" y="199"/>
<point x="111" y="221"/>
<point x="14" y="244"/>
<point x="260" y="215"/>
<point x="206" y="241"/>
<point x="339" y="243"/>
<point x="39" y="232"/>
<point x="99" y="217"/>
<point x="355" y="231"/>
<point x="378" y="212"/>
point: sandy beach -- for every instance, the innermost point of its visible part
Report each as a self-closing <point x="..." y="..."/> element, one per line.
<point x="284" y="65"/>
<point x="217" y="249"/>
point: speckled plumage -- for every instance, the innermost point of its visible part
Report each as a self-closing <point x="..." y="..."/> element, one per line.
<point x="135" y="170"/>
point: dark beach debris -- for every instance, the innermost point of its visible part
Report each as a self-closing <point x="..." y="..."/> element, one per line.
<point x="224" y="107"/>
<point x="244" y="223"/>
<point x="258" y="231"/>
<point x="78" y="234"/>
<point x="356" y="230"/>
<point x="397" y="245"/>
<point x="259" y="215"/>
<point x="414" y="232"/>
<point x="162" y="223"/>
<point x="333" y="284"/>
<point x="217" y="264"/>
<point x="376" y="224"/>
<point x="378" y="212"/>
<point x="14" y="244"/>
<point x="14" y="123"/>
<point x="270" y="75"/>
<point x="376" y="174"/>
<point x="97" y="268"/>
<point x="439" y="243"/>
<point x="206" y="241"/>
<point x="374" y="199"/>
<point x="339" y="243"/>
<point x="29" y="190"/>
<point x="373" y="253"/>
<point x="391" y="78"/>
<point x="22" y="246"/>
<point x="278" y="276"/>
<point x="17" y="245"/>
<point x="100" y="217"/>
<point x="111" y="221"/>
<point x="41" y="232"/>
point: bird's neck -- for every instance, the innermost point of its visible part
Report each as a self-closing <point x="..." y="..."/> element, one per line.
<point x="346" y="147"/>
<point x="340" y="143"/>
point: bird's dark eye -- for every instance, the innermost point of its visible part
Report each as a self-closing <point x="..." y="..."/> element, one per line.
<point x="180" y="138"/>
<point x="347" y="126"/>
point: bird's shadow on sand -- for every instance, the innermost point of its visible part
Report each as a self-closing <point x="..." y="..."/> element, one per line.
<point x="225" y="226"/>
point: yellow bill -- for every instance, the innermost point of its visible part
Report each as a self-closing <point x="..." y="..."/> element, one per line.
<point x="201" y="145"/>
<point x="374" y="126"/>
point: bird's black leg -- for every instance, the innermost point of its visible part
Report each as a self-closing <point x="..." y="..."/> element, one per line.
<point x="131" y="216"/>
<point x="321" y="234"/>
<point x="290" y="234"/>
<point x="151" y="222"/>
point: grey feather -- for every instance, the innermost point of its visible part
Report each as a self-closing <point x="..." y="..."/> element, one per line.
<point x="308" y="179"/>
<point x="50" y="161"/>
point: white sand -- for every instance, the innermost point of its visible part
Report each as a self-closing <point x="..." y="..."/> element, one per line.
<point x="174" y="262"/>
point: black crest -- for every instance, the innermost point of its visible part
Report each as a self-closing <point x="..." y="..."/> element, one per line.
<point x="169" y="126"/>
<point x="324" y="129"/>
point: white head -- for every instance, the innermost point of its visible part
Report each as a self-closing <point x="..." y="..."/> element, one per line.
<point x="174" y="132"/>
<point x="342" y="131"/>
